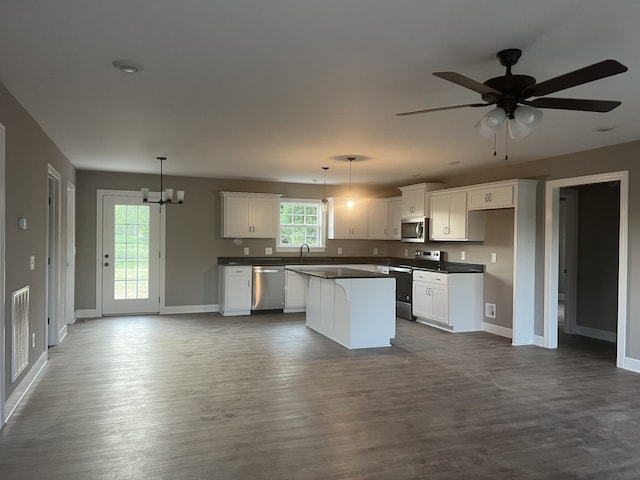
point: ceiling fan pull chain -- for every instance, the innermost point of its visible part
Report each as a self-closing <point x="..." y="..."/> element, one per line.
<point x="495" y="150"/>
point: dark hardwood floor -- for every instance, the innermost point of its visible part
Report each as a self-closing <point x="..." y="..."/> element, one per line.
<point x="263" y="397"/>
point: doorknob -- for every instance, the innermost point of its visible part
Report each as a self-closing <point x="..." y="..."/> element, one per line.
<point x="106" y="255"/>
<point x="106" y="264"/>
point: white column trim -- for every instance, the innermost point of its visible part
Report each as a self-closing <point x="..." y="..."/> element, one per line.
<point x="551" y="259"/>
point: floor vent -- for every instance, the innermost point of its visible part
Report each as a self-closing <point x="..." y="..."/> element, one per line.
<point x="20" y="328"/>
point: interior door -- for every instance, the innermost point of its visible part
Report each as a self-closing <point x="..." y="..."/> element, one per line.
<point x="130" y="256"/>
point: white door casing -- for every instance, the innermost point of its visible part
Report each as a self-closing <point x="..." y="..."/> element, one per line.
<point x="70" y="315"/>
<point x="2" y="271"/>
<point x="56" y="327"/>
<point x="551" y="247"/>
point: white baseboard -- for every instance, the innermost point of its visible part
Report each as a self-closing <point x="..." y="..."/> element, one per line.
<point x="177" y="309"/>
<point x="538" y="340"/>
<point x="597" y="333"/>
<point x="294" y="310"/>
<point x="92" y="313"/>
<point x="631" y="364"/>
<point x="23" y="387"/>
<point x="497" y="330"/>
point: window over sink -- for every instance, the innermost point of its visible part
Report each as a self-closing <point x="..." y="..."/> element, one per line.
<point x="302" y="221"/>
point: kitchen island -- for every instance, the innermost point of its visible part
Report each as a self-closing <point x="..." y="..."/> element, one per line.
<point x="354" y="308"/>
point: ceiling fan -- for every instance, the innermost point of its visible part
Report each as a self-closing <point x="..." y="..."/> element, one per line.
<point x="512" y="94"/>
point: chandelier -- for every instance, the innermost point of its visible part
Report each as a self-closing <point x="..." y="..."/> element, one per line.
<point x="166" y="195"/>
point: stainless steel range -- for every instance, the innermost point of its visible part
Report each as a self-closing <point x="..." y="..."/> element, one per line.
<point x="404" y="285"/>
<point x="404" y="279"/>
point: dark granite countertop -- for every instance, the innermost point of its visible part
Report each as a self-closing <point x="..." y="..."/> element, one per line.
<point x="329" y="272"/>
<point x="445" y="267"/>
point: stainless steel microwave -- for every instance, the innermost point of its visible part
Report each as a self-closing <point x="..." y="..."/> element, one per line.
<point x="414" y="230"/>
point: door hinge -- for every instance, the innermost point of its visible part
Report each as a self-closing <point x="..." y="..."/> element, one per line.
<point x="48" y="320"/>
<point x="49" y="200"/>
<point x="48" y="260"/>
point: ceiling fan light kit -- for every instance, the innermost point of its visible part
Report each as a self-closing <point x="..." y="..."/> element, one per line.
<point x="511" y="95"/>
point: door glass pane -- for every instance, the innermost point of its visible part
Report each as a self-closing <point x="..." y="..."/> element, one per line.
<point x="131" y="262"/>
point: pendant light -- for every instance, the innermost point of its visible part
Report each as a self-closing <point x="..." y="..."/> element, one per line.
<point x="325" y="202"/>
<point x="166" y="194"/>
<point x="350" y="202"/>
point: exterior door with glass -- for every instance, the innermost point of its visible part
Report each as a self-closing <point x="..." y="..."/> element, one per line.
<point x="130" y="256"/>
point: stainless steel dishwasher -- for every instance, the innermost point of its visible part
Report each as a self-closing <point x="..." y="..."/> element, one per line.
<point x="268" y="288"/>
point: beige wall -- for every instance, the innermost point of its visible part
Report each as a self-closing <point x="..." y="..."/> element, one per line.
<point x="193" y="235"/>
<point x="28" y="152"/>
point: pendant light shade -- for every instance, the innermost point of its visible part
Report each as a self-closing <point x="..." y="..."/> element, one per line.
<point x="350" y="202"/>
<point x="325" y="201"/>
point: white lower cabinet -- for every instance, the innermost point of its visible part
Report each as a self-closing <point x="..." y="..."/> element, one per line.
<point x="295" y="293"/>
<point x="235" y="290"/>
<point x="449" y="301"/>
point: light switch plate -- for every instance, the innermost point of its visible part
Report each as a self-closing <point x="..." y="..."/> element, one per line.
<point x="246" y="250"/>
<point x="268" y="250"/>
<point x="375" y="250"/>
<point x="339" y="250"/>
<point x="32" y="262"/>
<point x="463" y="255"/>
<point x="494" y="257"/>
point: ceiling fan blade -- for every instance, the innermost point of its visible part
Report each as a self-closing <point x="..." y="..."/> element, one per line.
<point x="469" y="83"/>
<point x="599" y="70"/>
<point x="573" y="104"/>
<point x="416" y="112"/>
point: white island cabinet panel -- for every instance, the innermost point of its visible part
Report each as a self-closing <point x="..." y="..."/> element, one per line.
<point x="351" y="307"/>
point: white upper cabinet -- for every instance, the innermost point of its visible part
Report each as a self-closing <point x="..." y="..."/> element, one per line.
<point x="394" y="218"/>
<point x="451" y="221"/>
<point x="347" y="223"/>
<point x="249" y="215"/>
<point x="490" y="197"/>
<point x="378" y="218"/>
<point x="415" y="199"/>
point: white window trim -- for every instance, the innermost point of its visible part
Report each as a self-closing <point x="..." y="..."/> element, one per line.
<point x="323" y="227"/>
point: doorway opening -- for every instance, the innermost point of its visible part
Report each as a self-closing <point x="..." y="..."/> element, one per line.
<point x="586" y="251"/>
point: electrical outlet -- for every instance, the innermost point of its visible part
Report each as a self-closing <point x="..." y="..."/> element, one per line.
<point x="494" y="257"/>
<point x="32" y="262"/>
<point x="339" y="250"/>
<point x="406" y="252"/>
<point x="268" y="251"/>
<point x="375" y="250"/>
<point x="490" y="310"/>
<point x="246" y="250"/>
<point x="463" y="255"/>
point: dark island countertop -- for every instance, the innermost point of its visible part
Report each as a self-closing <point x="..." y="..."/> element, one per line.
<point x="444" y="267"/>
<point x="329" y="272"/>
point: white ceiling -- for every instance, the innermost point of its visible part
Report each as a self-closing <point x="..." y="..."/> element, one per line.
<point x="276" y="89"/>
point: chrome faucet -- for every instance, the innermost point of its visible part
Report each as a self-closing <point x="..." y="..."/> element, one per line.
<point x="301" y="247"/>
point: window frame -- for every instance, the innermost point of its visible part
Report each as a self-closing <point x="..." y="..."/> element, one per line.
<point x="322" y="217"/>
